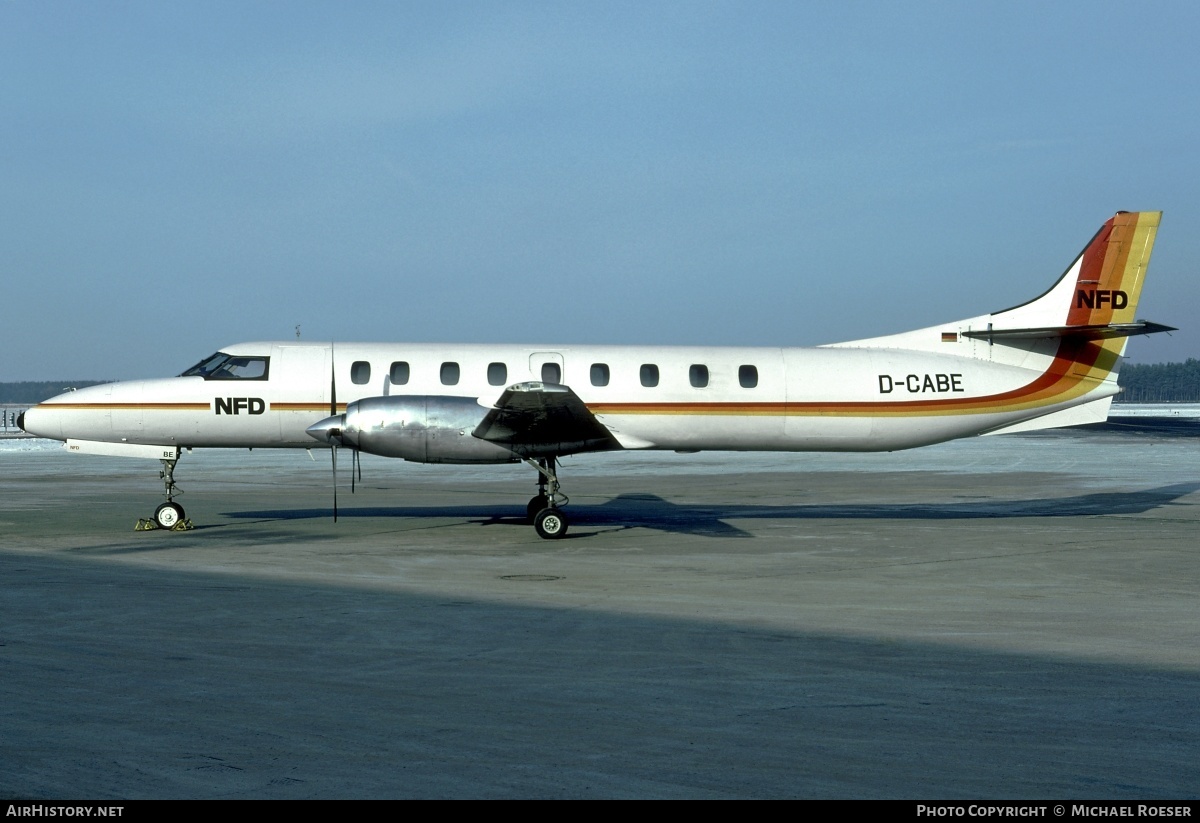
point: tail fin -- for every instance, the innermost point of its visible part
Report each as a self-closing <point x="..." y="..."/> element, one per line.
<point x="1066" y="345"/>
<point x="1112" y="270"/>
<point x="1094" y="300"/>
<point x="1096" y="297"/>
<point x="1091" y="312"/>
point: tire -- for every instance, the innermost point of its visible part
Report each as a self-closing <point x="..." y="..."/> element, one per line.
<point x="167" y="515"/>
<point x="550" y="524"/>
<point x="536" y="505"/>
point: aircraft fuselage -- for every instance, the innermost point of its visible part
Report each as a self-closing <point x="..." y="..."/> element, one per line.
<point x="681" y="398"/>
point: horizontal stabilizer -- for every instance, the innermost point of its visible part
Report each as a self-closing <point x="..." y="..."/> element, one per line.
<point x="1096" y="332"/>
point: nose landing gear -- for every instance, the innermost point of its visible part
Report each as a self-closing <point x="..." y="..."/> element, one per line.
<point x="169" y="515"/>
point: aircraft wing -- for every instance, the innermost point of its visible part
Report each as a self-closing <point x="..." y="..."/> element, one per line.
<point x="542" y="419"/>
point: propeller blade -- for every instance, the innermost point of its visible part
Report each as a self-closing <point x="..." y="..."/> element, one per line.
<point x="333" y="413"/>
<point x="332" y="382"/>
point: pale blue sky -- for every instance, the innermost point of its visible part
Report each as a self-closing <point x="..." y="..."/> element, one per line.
<point x="178" y="176"/>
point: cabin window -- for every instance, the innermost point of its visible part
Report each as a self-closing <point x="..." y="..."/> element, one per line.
<point x="450" y="374"/>
<point x="698" y="375"/>
<point x="398" y="373"/>
<point x="649" y="375"/>
<point x="497" y="374"/>
<point x="748" y="376"/>
<point x="360" y="373"/>
<point x="551" y="373"/>
<point x="221" y="366"/>
<point x="600" y="374"/>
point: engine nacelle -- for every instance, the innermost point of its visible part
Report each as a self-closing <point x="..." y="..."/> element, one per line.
<point x="424" y="429"/>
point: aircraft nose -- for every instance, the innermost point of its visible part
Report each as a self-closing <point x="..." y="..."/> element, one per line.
<point x="328" y="430"/>
<point x="41" y="422"/>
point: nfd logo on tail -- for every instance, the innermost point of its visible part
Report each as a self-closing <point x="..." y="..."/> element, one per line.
<point x="1096" y="298"/>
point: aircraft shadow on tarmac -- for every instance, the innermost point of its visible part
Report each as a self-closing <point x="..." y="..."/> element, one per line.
<point x="649" y="511"/>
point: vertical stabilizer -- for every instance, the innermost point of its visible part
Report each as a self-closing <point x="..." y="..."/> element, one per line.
<point x="1096" y="298"/>
<point x="1103" y="285"/>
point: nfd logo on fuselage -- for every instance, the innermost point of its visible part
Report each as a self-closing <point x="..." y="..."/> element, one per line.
<point x="237" y="405"/>
<point x="1097" y="298"/>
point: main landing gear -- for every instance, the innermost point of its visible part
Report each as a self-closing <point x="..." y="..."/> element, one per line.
<point x="169" y="515"/>
<point x="544" y="510"/>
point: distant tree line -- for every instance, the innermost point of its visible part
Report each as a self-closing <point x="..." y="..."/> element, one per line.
<point x="35" y="391"/>
<point x="1160" y="382"/>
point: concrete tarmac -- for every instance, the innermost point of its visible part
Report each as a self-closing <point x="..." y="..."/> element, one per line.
<point x="1011" y="634"/>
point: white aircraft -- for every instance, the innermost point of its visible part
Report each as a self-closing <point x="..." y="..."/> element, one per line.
<point x="1046" y="363"/>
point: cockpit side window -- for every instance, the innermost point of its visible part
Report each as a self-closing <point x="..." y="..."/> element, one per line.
<point x="206" y="366"/>
<point x="223" y="366"/>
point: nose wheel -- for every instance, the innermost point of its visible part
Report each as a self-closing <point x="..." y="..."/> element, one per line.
<point x="169" y="515"/>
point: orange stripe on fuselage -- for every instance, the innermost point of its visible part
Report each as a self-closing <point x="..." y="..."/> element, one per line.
<point x="312" y="407"/>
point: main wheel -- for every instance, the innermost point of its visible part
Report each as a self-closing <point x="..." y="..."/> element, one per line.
<point x="167" y="515"/>
<point x="536" y="505"/>
<point x="550" y="524"/>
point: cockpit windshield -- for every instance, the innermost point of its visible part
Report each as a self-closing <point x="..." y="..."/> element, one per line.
<point x="221" y="366"/>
